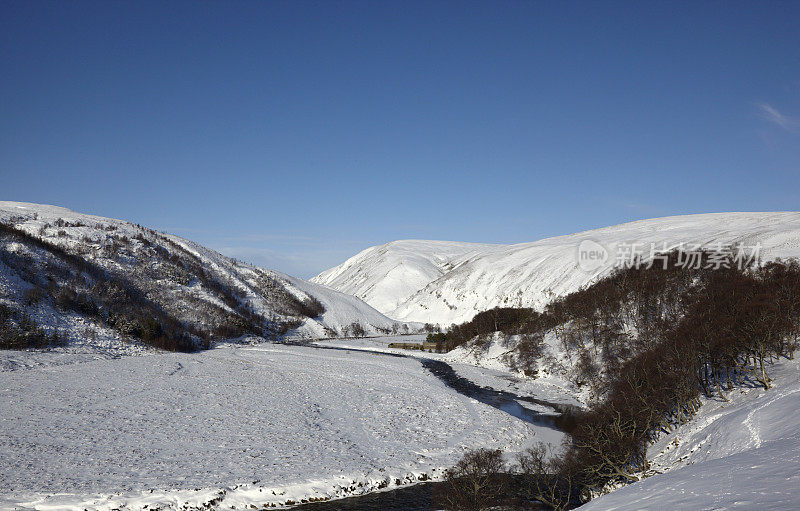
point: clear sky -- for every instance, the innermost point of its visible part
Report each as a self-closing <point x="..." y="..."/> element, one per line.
<point x="295" y="134"/>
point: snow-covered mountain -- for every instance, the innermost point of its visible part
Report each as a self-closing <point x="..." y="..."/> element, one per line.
<point x="93" y="277"/>
<point x="530" y="274"/>
<point x="386" y="276"/>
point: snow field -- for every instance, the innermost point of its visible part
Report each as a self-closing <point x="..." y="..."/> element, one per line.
<point x="247" y="425"/>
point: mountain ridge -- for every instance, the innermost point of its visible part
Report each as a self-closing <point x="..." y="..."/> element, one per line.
<point x="406" y="265"/>
<point x="530" y="274"/>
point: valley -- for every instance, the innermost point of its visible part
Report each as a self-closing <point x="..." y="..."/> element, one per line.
<point x="144" y="371"/>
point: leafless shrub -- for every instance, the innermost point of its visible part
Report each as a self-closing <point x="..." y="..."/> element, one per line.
<point x="544" y="478"/>
<point x="476" y="482"/>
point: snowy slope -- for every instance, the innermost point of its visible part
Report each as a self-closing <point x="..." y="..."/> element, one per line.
<point x="341" y="310"/>
<point x="529" y="274"/>
<point x="742" y="454"/>
<point x="386" y="276"/>
<point x="167" y="270"/>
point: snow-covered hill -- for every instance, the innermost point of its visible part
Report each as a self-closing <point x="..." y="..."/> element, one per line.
<point x="63" y="269"/>
<point x="386" y="276"/>
<point x="530" y="274"/>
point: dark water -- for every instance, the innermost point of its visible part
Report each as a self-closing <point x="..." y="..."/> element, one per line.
<point x="560" y="418"/>
<point x="419" y="497"/>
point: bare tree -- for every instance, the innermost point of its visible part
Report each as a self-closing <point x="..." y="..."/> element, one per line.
<point x="476" y="482"/>
<point x="544" y="478"/>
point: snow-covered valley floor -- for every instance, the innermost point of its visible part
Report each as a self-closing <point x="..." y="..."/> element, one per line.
<point x="245" y="425"/>
<point x="484" y="372"/>
<point x="269" y="424"/>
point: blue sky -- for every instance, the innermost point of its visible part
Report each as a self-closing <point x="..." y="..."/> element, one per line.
<point x="294" y="134"/>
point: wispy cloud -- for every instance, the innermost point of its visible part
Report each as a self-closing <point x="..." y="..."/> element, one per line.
<point x="771" y="114"/>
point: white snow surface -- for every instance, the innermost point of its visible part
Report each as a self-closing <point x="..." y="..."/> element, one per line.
<point x="249" y="425"/>
<point x="530" y="274"/>
<point x="341" y="309"/>
<point x="741" y="454"/>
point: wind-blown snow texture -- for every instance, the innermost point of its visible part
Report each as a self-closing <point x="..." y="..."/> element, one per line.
<point x="91" y="237"/>
<point x="530" y="274"/>
<point x="250" y="425"/>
